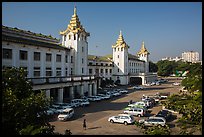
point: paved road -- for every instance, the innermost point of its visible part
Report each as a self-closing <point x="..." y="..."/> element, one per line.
<point x="98" y="113"/>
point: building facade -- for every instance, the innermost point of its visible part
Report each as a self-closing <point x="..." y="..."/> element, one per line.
<point x="190" y="56"/>
<point x="63" y="69"/>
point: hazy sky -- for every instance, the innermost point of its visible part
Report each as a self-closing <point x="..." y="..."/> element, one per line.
<point x="167" y="28"/>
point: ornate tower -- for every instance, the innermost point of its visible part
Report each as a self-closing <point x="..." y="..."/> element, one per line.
<point x="75" y="37"/>
<point x="120" y="59"/>
<point x="143" y="54"/>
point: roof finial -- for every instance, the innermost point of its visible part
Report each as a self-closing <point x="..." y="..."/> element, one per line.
<point x="75" y="12"/>
<point x="120" y="32"/>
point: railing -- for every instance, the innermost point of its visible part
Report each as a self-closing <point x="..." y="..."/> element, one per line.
<point x="50" y="80"/>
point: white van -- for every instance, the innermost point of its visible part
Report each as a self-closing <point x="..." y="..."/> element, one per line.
<point x="66" y="114"/>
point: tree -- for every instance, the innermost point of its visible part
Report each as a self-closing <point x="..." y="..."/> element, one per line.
<point x="23" y="109"/>
<point x="152" y="67"/>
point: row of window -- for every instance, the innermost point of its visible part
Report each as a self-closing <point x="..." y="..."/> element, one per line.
<point x="101" y="71"/>
<point x="23" y="55"/>
<point x="101" y="64"/>
<point x="69" y="37"/>
<point x="119" y="49"/>
<point x="134" y="64"/>
<point x="135" y="70"/>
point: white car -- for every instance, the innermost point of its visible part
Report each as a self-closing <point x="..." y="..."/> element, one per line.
<point x="122" y="118"/>
<point x="122" y="91"/>
<point x="151" y="121"/>
<point x="66" y="114"/>
<point x="176" y="84"/>
<point x="135" y="112"/>
<point x="138" y="87"/>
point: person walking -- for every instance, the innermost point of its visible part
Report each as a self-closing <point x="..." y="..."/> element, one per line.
<point x="84" y="124"/>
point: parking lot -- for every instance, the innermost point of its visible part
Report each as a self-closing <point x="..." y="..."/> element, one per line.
<point x="97" y="113"/>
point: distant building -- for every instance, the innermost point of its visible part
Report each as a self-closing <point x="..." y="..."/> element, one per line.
<point x="190" y="56"/>
<point x="172" y="59"/>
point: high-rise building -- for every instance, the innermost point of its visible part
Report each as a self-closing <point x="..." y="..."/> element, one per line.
<point x="190" y="56"/>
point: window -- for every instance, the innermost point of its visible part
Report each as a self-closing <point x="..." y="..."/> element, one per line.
<point x="82" y="49"/>
<point x="7" y="53"/>
<point x="64" y="37"/>
<point x="96" y="64"/>
<point x="66" y="58"/>
<point x="74" y="37"/>
<point x="58" y="71"/>
<point x="71" y="59"/>
<point x="58" y="58"/>
<point x="118" y="70"/>
<point x="118" y="63"/>
<point x="82" y="70"/>
<point x="101" y="70"/>
<point x="110" y="71"/>
<point x="36" y="71"/>
<point x="106" y="64"/>
<point x="66" y="72"/>
<point x="101" y="64"/>
<point x="118" y="56"/>
<point x="48" y="72"/>
<point x="23" y="55"/>
<point x="121" y="49"/>
<point x="106" y="71"/>
<point x="85" y="38"/>
<point x="37" y="56"/>
<point x="69" y="37"/>
<point x="118" y="49"/>
<point x="82" y="61"/>
<point x="90" y="63"/>
<point x="115" y="49"/>
<point x="48" y="57"/>
<point x="90" y="71"/>
<point x="71" y="71"/>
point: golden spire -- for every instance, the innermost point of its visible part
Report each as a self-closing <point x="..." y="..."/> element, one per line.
<point x="75" y="11"/>
<point x="143" y="49"/>
<point x="74" y="25"/>
<point x="120" y="41"/>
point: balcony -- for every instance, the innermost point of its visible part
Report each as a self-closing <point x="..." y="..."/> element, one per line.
<point x="51" y="80"/>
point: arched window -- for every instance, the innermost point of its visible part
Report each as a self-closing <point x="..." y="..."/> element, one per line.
<point x="122" y="49"/>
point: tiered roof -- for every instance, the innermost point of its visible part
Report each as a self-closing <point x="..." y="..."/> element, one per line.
<point x="143" y="50"/>
<point x="120" y="42"/>
<point x="74" y="25"/>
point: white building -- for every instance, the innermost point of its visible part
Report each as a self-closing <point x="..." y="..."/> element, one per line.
<point x="172" y="59"/>
<point x="64" y="70"/>
<point x="190" y="56"/>
<point x="59" y="69"/>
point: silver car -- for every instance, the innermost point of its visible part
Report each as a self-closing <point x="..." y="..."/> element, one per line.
<point x="122" y="118"/>
<point x="151" y="121"/>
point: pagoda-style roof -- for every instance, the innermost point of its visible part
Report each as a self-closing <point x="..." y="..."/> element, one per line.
<point x="74" y="25"/>
<point x="143" y="50"/>
<point x="30" y="38"/>
<point x="120" y="42"/>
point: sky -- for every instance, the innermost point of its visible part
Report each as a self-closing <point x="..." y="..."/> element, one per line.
<point x="167" y="28"/>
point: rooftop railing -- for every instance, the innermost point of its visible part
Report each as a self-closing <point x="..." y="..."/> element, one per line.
<point x="64" y="79"/>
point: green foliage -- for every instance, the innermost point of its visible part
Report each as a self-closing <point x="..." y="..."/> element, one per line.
<point x="22" y="109"/>
<point x="158" y="130"/>
<point x="152" y="67"/>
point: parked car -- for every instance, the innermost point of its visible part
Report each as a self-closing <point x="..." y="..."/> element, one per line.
<point x="66" y="114"/>
<point x="104" y="96"/>
<point x="63" y="105"/>
<point x="122" y="118"/>
<point x="116" y="93"/>
<point x="165" y="114"/>
<point x="75" y="102"/>
<point x="138" y="87"/>
<point x="164" y="95"/>
<point x="58" y="109"/>
<point x="151" y="121"/>
<point x="122" y="91"/>
<point x="135" y="111"/>
<point x="176" y="84"/>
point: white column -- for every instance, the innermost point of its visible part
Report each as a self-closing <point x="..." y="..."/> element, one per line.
<point x="90" y="90"/>
<point x="42" y="64"/>
<point x="71" y="90"/>
<point x="60" y="95"/>
<point x="30" y="63"/>
<point x="47" y="93"/>
<point x="95" y="88"/>
<point x="82" y="90"/>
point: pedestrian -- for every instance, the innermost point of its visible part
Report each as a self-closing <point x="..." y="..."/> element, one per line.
<point x="84" y="124"/>
<point x="68" y="132"/>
